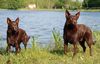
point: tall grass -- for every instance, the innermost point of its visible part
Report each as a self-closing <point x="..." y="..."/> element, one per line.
<point x="37" y="55"/>
<point x="34" y="43"/>
<point x="57" y="39"/>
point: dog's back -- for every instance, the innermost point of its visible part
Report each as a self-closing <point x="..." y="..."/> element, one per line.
<point x="84" y="32"/>
<point x="23" y="36"/>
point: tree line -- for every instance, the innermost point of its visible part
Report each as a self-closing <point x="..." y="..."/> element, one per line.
<point x="49" y="4"/>
<point x="91" y="3"/>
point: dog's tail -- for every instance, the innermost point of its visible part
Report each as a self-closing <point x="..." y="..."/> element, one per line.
<point x="28" y="38"/>
<point x="94" y="40"/>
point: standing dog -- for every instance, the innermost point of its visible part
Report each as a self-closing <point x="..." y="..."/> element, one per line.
<point x="15" y="35"/>
<point x="74" y="33"/>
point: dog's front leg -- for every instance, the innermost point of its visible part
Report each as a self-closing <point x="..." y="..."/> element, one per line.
<point x="18" y="41"/>
<point x="75" y="49"/>
<point x="17" y="47"/>
<point x="8" y="49"/>
<point x="65" y="48"/>
<point x="65" y="44"/>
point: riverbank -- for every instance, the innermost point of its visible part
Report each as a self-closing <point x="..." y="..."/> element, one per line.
<point x="37" y="55"/>
<point x="82" y="10"/>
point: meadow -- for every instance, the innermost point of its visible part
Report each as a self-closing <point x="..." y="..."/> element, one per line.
<point x="52" y="54"/>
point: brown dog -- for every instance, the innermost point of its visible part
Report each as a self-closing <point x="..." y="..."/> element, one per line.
<point x="74" y="33"/>
<point x="15" y="35"/>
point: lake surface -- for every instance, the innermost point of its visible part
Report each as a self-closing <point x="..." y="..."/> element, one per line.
<point x="41" y="23"/>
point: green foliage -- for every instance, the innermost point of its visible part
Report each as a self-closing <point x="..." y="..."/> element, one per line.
<point x="73" y="5"/>
<point x="11" y="4"/>
<point x="91" y="3"/>
<point x="49" y="4"/>
<point x="58" y="4"/>
<point x="41" y="4"/>
<point x="44" y="3"/>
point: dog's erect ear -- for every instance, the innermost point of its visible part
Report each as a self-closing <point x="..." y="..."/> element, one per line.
<point x="67" y="13"/>
<point x="77" y="15"/>
<point x="8" y="20"/>
<point x="17" y="20"/>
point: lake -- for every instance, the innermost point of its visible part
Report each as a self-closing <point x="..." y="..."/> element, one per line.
<point x="41" y="23"/>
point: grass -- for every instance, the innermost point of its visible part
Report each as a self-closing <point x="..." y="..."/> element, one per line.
<point x="90" y="10"/>
<point x="54" y="55"/>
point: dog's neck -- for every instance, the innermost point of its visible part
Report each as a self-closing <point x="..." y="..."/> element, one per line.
<point x="12" y="31"/>
<point x="72" y="28"/>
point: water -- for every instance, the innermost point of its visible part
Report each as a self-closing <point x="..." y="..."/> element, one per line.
<point x="41" y="23"/>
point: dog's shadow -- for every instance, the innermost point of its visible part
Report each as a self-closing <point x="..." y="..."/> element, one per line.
<point x="3" y="51"/>
<point x="58" y="52"/>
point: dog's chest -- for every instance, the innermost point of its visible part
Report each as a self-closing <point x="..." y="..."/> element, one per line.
<point x="73" y="37"/>
<point x="12" y="39"/>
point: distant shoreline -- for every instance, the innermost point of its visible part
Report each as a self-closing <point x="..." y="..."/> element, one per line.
<point x="82" y="10"/>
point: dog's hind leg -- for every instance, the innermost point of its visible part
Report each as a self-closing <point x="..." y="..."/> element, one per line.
<point x="82" y="43"/>
<point x="25" y="45"/>
<point x="89" y="43"/>
<point x="19" y="48"/>
<point x="25" y="41"/>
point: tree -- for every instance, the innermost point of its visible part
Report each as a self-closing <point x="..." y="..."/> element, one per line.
<point x="3" y="4"/>
<point x="70" y="4"/>
<point x="91" y="3"/>
<point x="12" y="4"/>
<point x="58" y="4"/>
